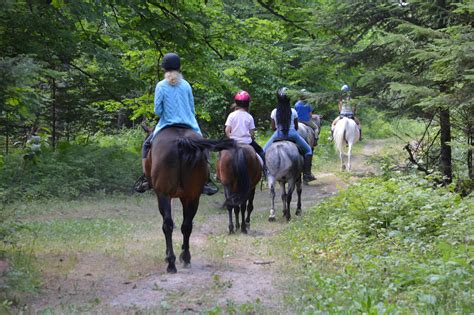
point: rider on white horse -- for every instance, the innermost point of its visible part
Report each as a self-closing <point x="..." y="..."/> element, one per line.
<point x="347" y="108"/>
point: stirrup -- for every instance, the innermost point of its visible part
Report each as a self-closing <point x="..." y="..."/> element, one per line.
<point x="141" y="185"/>
<point x="308" y="177"/>
<point x="209" y="188"/>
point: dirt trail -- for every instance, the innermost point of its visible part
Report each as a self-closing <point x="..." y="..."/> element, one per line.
<point x="237" y="272"/>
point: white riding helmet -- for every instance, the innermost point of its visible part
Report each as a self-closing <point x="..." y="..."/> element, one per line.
<point x="345" y="88"/>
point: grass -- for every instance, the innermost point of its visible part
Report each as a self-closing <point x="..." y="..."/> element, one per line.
<point x="367" y="250"/>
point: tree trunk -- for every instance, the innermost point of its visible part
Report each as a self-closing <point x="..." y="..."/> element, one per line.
<point x="470" y="142"/>
<point x="445" y="153"/>
<point x="7" y="135"/>
<point x="53" y="114"/>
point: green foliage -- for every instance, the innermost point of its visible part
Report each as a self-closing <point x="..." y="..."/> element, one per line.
<point x="386" y="246"/>
<point x="100" y="163"/>
<point x="18" y="274"/>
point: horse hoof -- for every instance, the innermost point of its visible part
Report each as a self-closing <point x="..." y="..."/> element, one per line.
<point x="185" y="258"/>
<point x="171" y="269"/>
<point x="298" y="212"/>
<point x="271" y="219"/>
<point x="187" y="265"/>
<point x="237" y="226"/>
<point x="244" y="230"/>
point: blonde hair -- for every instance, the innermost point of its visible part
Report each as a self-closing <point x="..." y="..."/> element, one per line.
<point x="173" y="77"/>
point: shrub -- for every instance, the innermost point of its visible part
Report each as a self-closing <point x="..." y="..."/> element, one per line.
<point x="386" y="246"/>
<point x="104" y="163"/>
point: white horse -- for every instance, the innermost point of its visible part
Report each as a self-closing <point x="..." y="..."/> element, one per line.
<point x="347" y="132"/>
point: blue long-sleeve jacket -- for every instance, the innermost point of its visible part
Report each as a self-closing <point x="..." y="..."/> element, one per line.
<point x="174" y="104"/>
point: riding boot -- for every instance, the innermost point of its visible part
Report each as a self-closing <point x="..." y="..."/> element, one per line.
<point x="307" y="175"/>
<point x="142" y="184"/>
<point x="209" y="188"/>
<point x="360" y="134"/>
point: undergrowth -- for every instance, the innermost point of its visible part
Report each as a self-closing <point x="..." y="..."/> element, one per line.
<point x="385" y="246"/>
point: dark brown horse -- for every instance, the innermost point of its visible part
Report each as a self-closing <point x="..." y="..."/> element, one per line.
<point x="239" y="170"/>
<point x="177" y="168"/>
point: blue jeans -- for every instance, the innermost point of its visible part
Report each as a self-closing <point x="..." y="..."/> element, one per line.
<point x="292" y="134"/>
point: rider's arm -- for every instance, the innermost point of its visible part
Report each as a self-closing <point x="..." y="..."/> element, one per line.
<point x="273" y="125"/>
<point x="252" y="133"/>
<point x="159" y="96"/>
<point x="228" y="131"/>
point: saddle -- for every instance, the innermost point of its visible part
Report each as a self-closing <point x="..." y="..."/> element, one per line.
<point x="300" y="149"/>
<point x="350" y="116"/>
<point x="182" y="126"/>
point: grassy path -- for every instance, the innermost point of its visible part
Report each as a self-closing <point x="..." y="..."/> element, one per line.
<point x="107" y="255"/>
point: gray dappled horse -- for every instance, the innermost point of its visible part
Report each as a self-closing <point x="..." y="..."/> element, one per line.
<point x="285" y="165"/>
<point x="346" y="132"/>
<point x="309" y="134"/>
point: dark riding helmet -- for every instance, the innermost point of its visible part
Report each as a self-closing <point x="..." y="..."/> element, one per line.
<point x="171" y="61"/>
<point x="281" y="94"/>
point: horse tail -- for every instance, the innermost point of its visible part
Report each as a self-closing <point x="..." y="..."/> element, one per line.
<point x="191" y="150"/>
<point x="340" y="134"/>
<point x="242" y="180"/>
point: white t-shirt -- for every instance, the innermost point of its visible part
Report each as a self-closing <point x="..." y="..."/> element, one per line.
<point x="240" y="122"/>
<point x="294" y="115"/>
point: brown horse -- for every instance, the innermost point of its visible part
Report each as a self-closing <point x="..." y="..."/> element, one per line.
<point x="239" y="170"/>
<point x="177" y="168"/>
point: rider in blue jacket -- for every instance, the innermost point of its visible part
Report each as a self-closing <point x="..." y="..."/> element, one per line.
<point x="285" y="123"/>
<point x="174" y="104"/>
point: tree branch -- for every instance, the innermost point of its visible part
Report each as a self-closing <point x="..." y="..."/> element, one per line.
<point x="272" y="11"/>
<point x="114" y="97"/>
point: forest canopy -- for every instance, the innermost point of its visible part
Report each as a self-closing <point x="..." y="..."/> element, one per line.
<point x="71" y="69"/>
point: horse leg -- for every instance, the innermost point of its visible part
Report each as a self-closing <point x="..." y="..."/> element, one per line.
<point x="272" y="210"/>
<point x="284" y="197"/>
<point x="231" y="224"/>
<point x="189" y="211"/>
<point x="341" y="156"/>
<point x="349" y="153"/>
<point x="250" y="207"/>
<point x="164" y="204"/>
<point x="243" y="208"/>
<point x="291" y="188"/>
<point x="237" y="221"/>
<point x="299" y="189"/>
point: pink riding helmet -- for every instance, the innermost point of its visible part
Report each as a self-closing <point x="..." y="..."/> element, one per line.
<point x="242" y="96"/>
